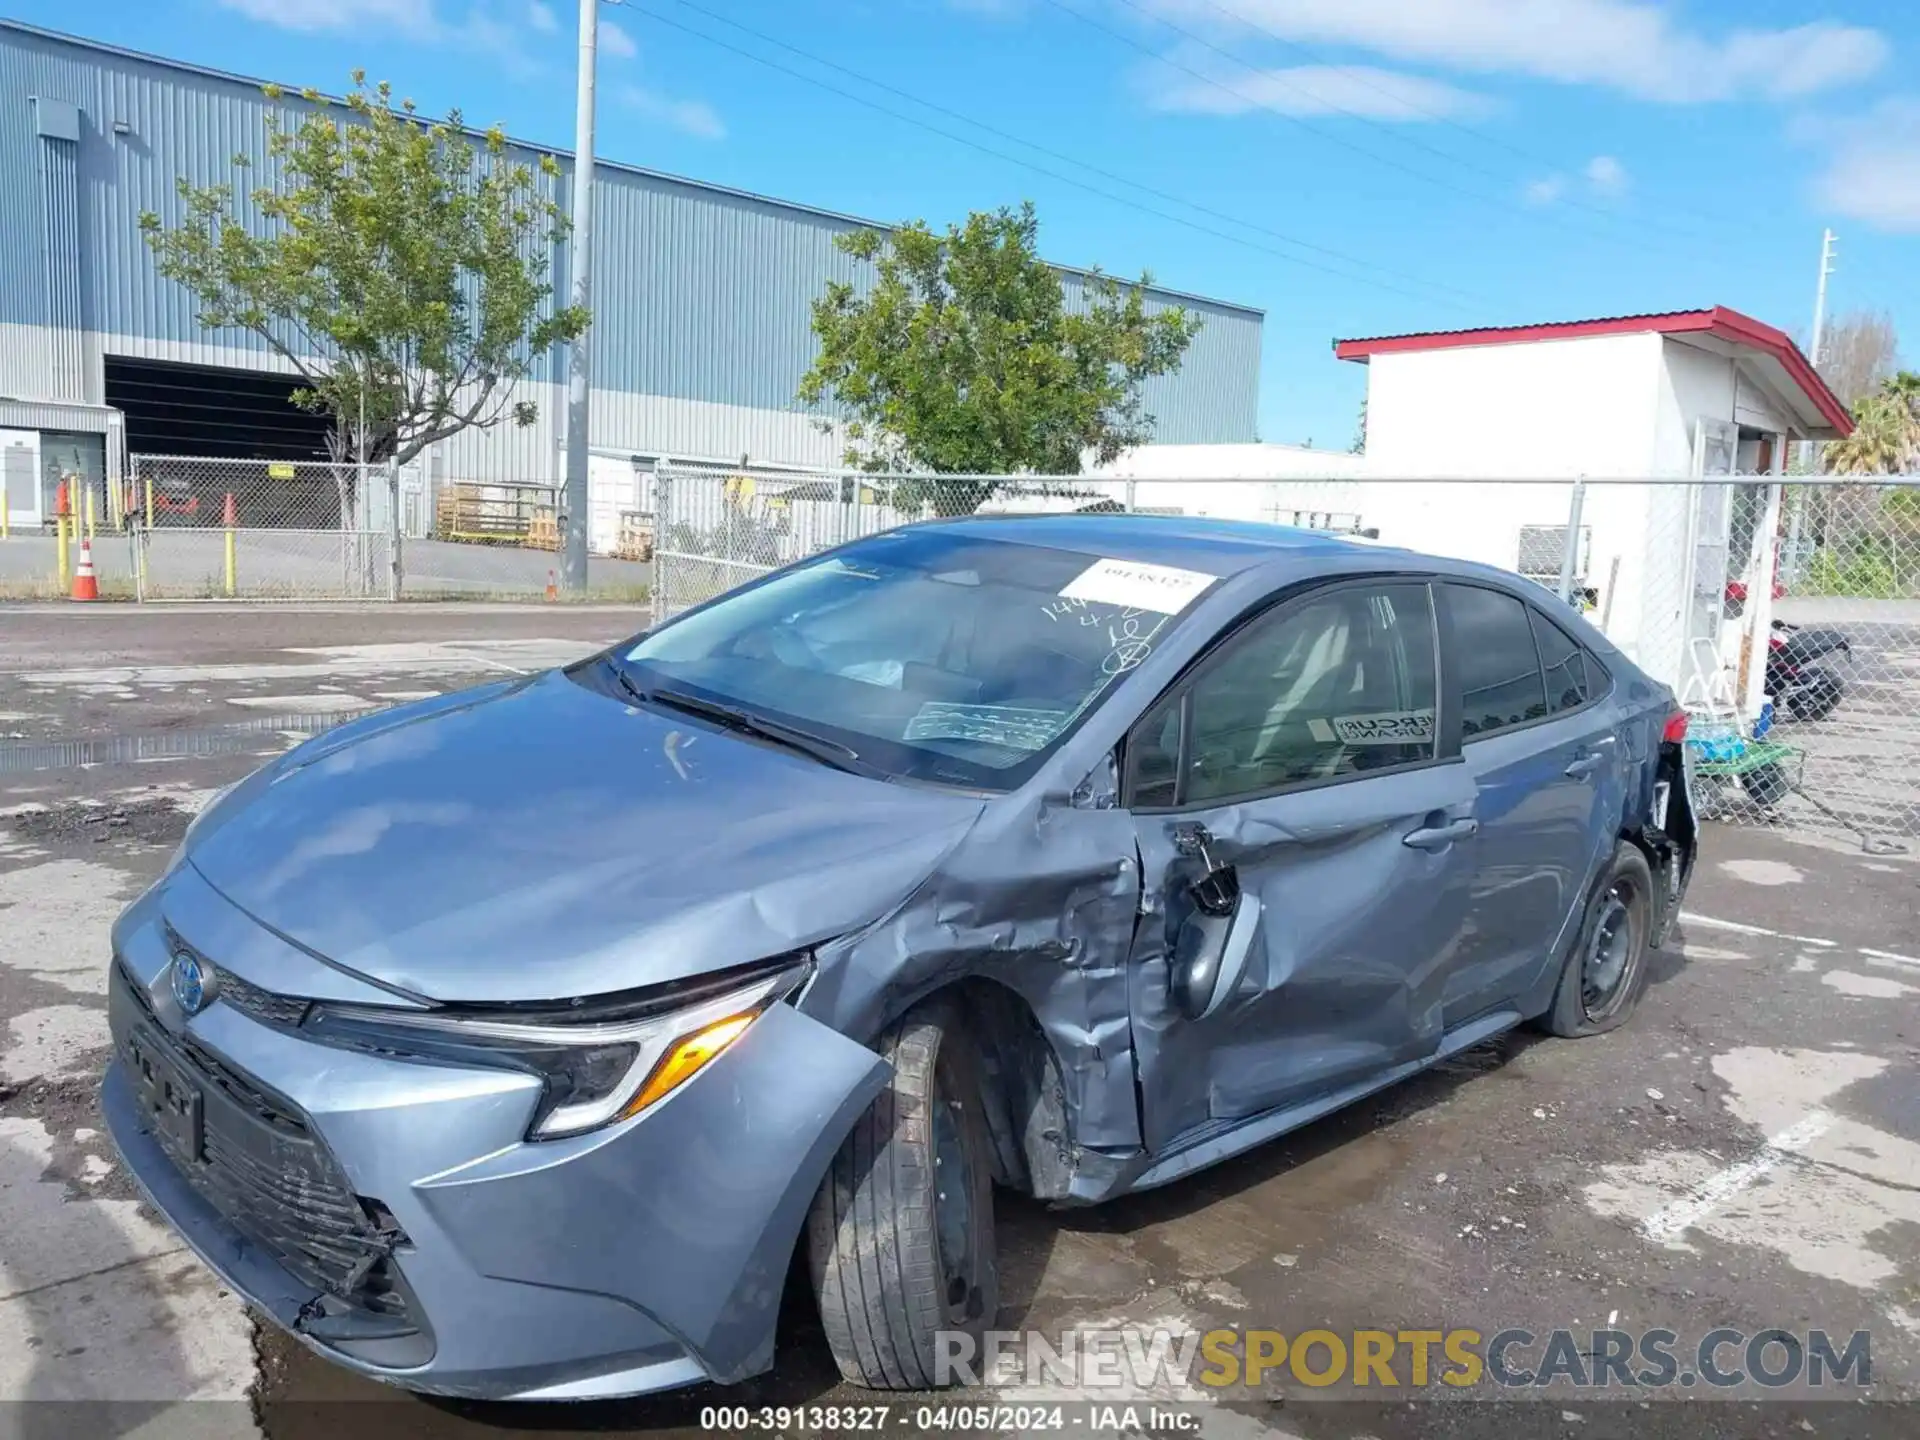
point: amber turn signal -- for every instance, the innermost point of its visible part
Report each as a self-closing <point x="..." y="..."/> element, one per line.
<point x="688" y="1056"/>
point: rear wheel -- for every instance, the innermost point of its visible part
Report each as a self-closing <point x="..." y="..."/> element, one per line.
<point x="900" y="1238"/>
<point x="1607" y="971"/>
<point x="1766" y="785"/>
<point x="1816" y="699"/>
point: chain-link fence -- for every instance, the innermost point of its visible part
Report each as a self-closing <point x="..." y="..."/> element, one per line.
<point x="205" y="529"/>
<point x="198" y="528"/>
<point x="1784" y="613"/>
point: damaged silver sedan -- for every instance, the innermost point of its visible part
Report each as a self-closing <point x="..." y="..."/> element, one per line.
<point x="516" y="1042"/>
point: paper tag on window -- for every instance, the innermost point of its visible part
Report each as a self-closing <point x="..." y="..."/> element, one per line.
<point x="1138" y="585"/>
<point x="1388" y="727"/>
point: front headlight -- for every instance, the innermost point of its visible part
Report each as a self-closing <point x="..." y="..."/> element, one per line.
<point x="600" y="1063"/>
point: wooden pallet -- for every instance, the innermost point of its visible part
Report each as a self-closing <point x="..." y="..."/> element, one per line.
<point x="635" y="540"/>
<point x="495" y="514"/>
<point x="543" y="530"/>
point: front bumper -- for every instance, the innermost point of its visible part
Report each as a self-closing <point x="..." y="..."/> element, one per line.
<point x="648" y="1255"/>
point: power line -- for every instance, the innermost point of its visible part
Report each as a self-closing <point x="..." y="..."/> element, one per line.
<point x="1076" y="183"/>
<point x="1498" y="202"/>
<point x="1075" y="161"/>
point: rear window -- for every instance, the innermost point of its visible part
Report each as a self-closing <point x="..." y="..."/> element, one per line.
<point x="1571" y="675"/>
<point x="1500" y="680"/>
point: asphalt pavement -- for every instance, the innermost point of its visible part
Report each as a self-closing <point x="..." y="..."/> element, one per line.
<point x="1745" y="1154"/>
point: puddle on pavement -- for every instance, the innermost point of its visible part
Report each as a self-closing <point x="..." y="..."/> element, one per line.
<point x="20" y="756"/>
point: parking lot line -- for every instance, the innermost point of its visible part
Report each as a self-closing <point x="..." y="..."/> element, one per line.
<point x="1667" y="1224"/>
<point x="1688" y="918"/>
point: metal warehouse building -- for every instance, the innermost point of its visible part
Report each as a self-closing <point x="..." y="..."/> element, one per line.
<point x="701" y="298"/>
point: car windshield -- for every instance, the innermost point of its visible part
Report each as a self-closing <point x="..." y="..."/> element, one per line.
<point x="936" y="656"/>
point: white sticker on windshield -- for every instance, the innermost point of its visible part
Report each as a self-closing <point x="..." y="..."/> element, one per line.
<point x="1134" y="583"/>
<point x="1386" y="727"/>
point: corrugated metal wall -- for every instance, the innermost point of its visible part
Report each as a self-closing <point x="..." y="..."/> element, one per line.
<point x="701" y="295"/>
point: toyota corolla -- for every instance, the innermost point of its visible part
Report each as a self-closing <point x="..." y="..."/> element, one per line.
<point x="515" y="1043"/>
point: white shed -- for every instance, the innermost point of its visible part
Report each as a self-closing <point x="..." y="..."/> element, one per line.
<point x="1223" y="481"/>
<point x="1631" y="399"/>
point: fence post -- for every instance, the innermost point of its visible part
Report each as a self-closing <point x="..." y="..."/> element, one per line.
<point x="1132" y="502"/>
<point x="1570" y="547"/>
<point x="395" y="576"/>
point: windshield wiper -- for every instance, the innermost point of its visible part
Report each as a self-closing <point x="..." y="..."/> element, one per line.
<point x="745" y="722"/>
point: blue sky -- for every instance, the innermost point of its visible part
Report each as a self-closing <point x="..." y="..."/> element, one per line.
<point x="1353" y="167"/>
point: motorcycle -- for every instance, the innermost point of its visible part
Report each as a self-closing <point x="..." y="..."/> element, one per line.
<point x="1800" y="689"/>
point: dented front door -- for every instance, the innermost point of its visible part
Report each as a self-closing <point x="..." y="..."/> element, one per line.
<point x="1306" y="846"/>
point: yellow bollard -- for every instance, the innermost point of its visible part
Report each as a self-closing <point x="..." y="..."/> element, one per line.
<point x="60" y="551"/>
<point x="149" y="502"/>
<point x="90" y="533"/>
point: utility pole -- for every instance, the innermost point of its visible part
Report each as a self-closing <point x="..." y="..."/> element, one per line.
<point x="1827" y="257"/>
<point x="573" y="557"/>
<point x="1791" y="561"/>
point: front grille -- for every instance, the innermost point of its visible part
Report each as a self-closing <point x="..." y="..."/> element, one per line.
<point x="265" y="1170"/>
<point x="264" y="1005"/>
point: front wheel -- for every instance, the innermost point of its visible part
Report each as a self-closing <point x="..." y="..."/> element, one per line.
<point x="900" y="1238"/>
<point x="1607" y="971"/>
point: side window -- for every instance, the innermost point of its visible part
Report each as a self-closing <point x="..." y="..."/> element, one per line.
<point x="1339" y="684"/>
<point x="1153" y="756"/>
<point x="1500" y="681"/>
<point x="1572" y="679"/>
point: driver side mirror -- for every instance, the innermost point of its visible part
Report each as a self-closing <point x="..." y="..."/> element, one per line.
<point x="1210" y="950"/>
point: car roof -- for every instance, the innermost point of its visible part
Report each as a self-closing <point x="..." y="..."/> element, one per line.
<point x="1281" y="553"/>
<point x="1190" y="542"/>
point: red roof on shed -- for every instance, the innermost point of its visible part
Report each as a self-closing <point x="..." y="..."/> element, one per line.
<point x="1722" y="324"/>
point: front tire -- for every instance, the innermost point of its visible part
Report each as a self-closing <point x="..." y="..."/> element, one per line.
<point x="1606" y="974"/>
<point x="900" y="1237"/>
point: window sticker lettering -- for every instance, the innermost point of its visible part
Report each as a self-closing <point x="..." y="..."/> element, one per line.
<point x="1164" y="589"/>
<point x="1385" y="727"/>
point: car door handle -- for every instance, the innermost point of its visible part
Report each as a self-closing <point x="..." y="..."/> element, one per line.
<point x="1585" y="765"/>
<point x="1438" y="837"/>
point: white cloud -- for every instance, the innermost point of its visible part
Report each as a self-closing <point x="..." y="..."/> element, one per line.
<point x="1606" y="175"/>
<point x="541" y="17"/>
<point x="616" y="42"/>
<point x="689" y="117"/>
<point x="505" y="41"/>
<point x="1310" y="90"/>
<point x="1873" y="169"/>
<point x="1636" y="46"/>
<point x="414" y="17"/>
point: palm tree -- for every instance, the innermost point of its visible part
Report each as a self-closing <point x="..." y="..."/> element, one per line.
<point x="1886" y="431"/>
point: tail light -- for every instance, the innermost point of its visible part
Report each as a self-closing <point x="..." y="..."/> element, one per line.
<point x="1774" y="642"/>
<point x="1676" y="730"/>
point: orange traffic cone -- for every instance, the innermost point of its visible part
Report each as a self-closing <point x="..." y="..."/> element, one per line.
<point x="553" y="590"/>
<point x="85" y="585"/>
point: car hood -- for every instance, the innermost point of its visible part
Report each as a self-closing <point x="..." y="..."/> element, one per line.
<point x="539" y="840"/>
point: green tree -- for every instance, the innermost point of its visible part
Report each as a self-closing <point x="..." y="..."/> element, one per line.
<point x="1886" y="431"/>
<point x="399" y="268"/>
<point x="964" y="358"/>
